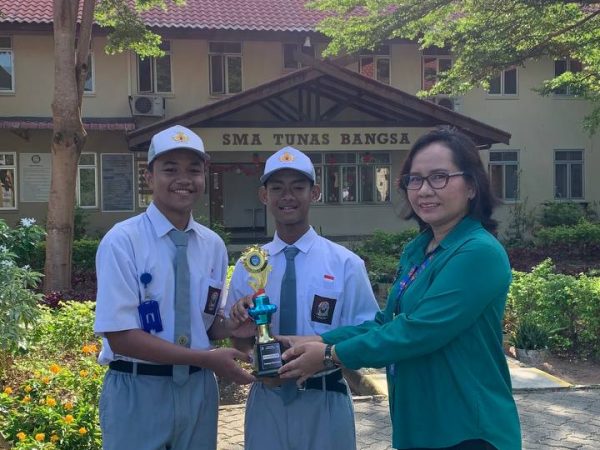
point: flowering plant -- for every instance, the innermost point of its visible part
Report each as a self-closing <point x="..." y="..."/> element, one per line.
<point x="55" y="406"/>
<point x="25" y="242"/>
<point x="18" y="310"/>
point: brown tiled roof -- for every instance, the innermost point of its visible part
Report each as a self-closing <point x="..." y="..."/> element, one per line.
<point x="256" y="15"/>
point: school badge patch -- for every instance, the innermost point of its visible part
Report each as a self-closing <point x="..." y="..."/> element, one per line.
<point x="212" y="300"/>
<point x="322" y="309"/>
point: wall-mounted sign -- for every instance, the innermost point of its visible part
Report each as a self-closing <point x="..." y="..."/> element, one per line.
<point x="117" y="182"/>
<point x="35" y="173"/>
<point x="309" y="139"/>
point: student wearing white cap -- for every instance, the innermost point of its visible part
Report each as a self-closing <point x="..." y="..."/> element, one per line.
<point x="332" y="289"/>
<point x="156" y="316"/>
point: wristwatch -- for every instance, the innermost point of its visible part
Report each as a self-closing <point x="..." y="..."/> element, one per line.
<point x="328" y="361"/>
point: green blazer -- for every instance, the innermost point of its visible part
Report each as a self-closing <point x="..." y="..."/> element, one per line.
<point x="441" y="342"/>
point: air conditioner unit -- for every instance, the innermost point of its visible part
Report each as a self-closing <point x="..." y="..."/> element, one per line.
<point x="148" y="105"/>
<point x="452" y="103"/>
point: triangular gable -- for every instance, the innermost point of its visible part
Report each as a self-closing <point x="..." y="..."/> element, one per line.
<point x="323" y="95"/>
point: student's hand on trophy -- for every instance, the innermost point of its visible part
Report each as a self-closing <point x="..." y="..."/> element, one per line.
<point x="290" y="341"/>
<point x="305" y="360"/>
<point x="223" y="362"/>
<point x="246" y="329"/>
<point x="239" y="311"/>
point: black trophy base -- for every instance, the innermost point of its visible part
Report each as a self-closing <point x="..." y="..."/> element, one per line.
<point x="267" y="359"/>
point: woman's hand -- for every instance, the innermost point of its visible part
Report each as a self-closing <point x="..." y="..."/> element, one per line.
<point x="291" y="341"/>
<point x="305" y="359"/>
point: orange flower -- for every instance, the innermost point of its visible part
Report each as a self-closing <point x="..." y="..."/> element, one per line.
<point x="55" y="368"/>
<point x="82" y="431"/>
<point x="21" y="436"/>
<point x="28" y="389"/>
<point x="68" y="406"/>
<point x="45" y="380"/>
<point x="89" y="349"/>
<point x="8" y="390"/>
<point x="69" y="418"/>
<point x="54" y="438"/>
<point x="50" y="401"/>
<point x="40" y="437"/>
<point x="26" y="399"/>
<point x="83" y="373"/>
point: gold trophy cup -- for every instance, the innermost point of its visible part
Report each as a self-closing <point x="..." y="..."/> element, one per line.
<point x="267" y="350"/>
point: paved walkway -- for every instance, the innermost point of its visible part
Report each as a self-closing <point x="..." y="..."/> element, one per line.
<point x="565" y="419"/>
<point x="554" y="415"/>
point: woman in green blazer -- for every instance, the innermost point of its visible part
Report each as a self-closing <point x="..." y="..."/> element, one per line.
<point x="440" y="335"/>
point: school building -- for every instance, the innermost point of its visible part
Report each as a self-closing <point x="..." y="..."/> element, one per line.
<point x="247" y="76"/>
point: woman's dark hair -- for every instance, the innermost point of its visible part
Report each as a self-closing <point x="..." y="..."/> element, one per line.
<point x="466" y="157"/>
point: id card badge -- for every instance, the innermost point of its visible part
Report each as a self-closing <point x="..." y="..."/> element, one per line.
<point x="150" y="316"/>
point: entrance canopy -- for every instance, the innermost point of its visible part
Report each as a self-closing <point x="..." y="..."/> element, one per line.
<point x="323" y="95"/>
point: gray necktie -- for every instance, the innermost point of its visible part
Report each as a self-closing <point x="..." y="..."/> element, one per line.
<point x="287" y="299"/>
<point x="182" y="301"/>
<point x="287" y="313"/>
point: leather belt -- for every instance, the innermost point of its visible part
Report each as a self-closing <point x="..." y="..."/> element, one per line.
<point x="159" y="370"/>
<point x="330" y="382"/>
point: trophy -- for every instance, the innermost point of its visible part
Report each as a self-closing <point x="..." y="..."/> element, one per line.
<point x="267" y="350"/>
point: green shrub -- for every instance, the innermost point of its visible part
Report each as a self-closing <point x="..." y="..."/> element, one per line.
<point x="529" y="335"/>
<point x="561" y="213"/>
<point x="566" y="308"/>
<point x="18" y="310"/>
<point x="81" y="220"/>
<point x="217" y="227"/>
<point x="381" y="253"/>
<point x="61" y="330"/>
<point x="520" y="226"/>
<point x="581" y="235"/>
<point x="84" y="254"/>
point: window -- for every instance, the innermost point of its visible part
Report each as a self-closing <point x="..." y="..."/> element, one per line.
<point x="432" y="67"/>
<point x="87" y="181"/>
<point x="568" y="174"/>
<point x="353" y="177"/>
<point x="154" y="74"/>
<point x="505" y="83"/>
<point x="7" y="75"/>
<point x="8" y="169"/>
<point x="225" y="63"/>
<point x="376" y="64"/>
<point x="89" y="86"/>
<point x="504" y="174"/>
<point x="566" y="65"/>
<point x="289" y="62"/>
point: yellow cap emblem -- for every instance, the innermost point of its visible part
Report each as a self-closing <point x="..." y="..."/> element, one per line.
<point x="181" y="137"/>
<point x="286" y="157"/>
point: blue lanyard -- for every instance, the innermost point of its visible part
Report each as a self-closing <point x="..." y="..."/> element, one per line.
<point x="407" y="279"/>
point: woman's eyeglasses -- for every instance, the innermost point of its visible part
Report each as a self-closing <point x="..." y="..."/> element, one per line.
<point x="435" y="180"/>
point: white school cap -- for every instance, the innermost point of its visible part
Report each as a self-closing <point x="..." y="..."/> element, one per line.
<point x="173" y="138"/>
<point x="289" y="158"/>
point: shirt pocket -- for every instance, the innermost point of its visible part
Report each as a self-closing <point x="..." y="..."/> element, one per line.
<point x="324" y="309"/>
<point x="210" y="300"/>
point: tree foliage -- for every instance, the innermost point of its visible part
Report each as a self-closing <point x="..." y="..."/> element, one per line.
<point x="484" y="36"/>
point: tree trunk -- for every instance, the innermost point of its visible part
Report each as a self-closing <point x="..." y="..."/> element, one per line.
<point x="68" y="137"/>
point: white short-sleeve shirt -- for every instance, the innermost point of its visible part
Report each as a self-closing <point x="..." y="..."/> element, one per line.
<point x="141" y="245"/>
<point x="333" y="288"/>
